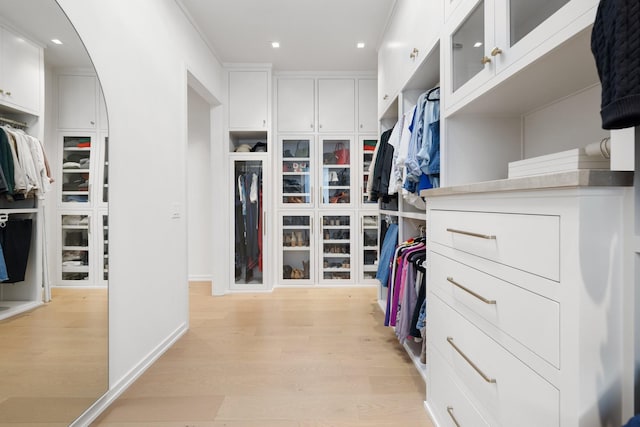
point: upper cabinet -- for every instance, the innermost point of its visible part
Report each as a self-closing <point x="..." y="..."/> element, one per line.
<point x="77" y="106"/>
<point x="21" y="73"/>
<point x="413" y="32"/>
<point x="336" y="105"/>
<point x="296" y="102"/>
<point x="495" y="38"/>
<point x="249" y="99"/>
<point x="367" y="95"/>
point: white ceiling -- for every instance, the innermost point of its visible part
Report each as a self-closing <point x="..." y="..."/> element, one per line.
<point x="314" y="35"/>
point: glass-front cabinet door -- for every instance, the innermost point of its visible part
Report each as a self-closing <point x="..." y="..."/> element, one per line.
<point x="336" y="245"/>
<point x="75" y="261"/>
<point x="368" y="147"/>
<point x="296" y="241"/>
<point x="76" y="168"/>
<point x="297" y="171"/>
<point x="336" y="173"/>
<point x="250" y="221"/>
<point x="370" y="247"/>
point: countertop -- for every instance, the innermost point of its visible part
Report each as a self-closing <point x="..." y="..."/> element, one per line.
<point x="572" y="179"/>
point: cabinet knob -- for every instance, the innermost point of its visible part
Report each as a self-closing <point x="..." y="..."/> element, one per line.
<point x="8" y="93"/>
<point x="264" y="123"/>
<point x="414" y="53"/>
<point x="485" y="60"/>
<point x="320" y="126"/>
<point x="311" y="125"/>
<point x="92" y="123"/>
<point x="496" y="51"/>
<point x="361" y="125"/>
<point x="385" y="97"/>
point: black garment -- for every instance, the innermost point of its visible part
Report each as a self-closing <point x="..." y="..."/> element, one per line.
<point x="382" y="169"/>
<point x="15" y="239"/>
<point x="615" y="43"/>
<point x="6" y="162"/>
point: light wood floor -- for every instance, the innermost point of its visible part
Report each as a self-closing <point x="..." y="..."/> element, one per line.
<point x="53" y="359"/>
<point x="294" y="357"/>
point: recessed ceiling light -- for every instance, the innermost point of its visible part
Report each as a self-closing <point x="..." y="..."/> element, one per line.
<point x="360" y="45"/>
<point x="477" y="44"/>
<point x="275" y="45"/>
<point x="56" y="41"/>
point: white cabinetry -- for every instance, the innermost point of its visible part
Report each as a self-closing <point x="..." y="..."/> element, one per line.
<point x="249" y="99"/>
<point x="367" y="104"/>
<point x="22" y="67"/>
<point x="336" y="105"/>
<point x="296" y="104"/>
<point x="77" y="101"/>
<point x="529" y="336"/>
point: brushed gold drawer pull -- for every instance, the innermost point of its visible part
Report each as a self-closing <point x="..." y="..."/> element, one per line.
<point x="470" y="292"/>
<point x="473" y="365"/>
<point x="468" y="233"/>
<point x="450" y="411"/>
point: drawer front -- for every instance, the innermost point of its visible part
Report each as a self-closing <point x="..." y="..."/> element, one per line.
<point x="527" y="242"/>
<point x="453" y="407"/>
<point x="529" y="318"/>
<point x="504" y="387"/>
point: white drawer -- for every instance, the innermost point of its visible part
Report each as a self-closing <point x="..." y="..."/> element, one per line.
<point x="504" y="387"/>
<point x="451" y="405"/>
<point x="529" y="318"/>
<point x="527" y="242"/>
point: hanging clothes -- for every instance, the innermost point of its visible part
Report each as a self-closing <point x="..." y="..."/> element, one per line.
<point x="15" y="239"/>
<point x="248" y="223"/>
<point x="382" y="169"/>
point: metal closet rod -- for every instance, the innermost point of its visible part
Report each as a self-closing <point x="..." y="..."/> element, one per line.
<point x="12" y="122"/>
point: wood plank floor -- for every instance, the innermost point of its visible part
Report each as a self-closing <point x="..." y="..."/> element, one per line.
<point x="53" y="359"/>
<point x="294" y="357"/>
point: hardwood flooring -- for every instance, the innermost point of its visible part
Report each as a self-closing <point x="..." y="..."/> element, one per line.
<point x="53" y="359"/>
<point x="291" y="358"/>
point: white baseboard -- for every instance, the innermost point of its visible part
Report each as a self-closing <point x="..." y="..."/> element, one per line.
<point x="91" y="414"/>
<point x="200" y="278"/>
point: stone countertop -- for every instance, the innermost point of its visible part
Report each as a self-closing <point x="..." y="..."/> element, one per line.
<point x="572" y="179"/>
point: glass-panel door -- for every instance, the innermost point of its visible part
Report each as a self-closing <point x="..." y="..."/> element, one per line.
<point x="526" y="15"/>
<point x="370" y="247"/>
<point x="468" y="46"/>
<point x="297" y="171"/>
<point x="368" y="148"/>
<point x="336" y="247"/>
<point x="296" y="240"/>
<point x="76" y="168"/>
<point x="75" y="254"/>
<point x="336" y="171"/>
<point x="249" y="219"/>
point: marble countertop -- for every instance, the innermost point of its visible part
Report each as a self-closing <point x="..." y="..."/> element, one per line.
<point x="576" y="178"/>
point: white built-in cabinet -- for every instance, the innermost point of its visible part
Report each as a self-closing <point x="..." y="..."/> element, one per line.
<point x="249" y="99"/>
<point x="82" y="182"/>
<point x="512" y="268"/>
<point x="22" y="100"/>
<point x="21" y="71"/>
<point x="323" y="125"/>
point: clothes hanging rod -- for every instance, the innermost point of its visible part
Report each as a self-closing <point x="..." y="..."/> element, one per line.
<point x="12" y="122"/>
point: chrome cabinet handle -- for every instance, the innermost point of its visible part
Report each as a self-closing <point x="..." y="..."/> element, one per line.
<point x="469" y="233"/>
<point x="473" y="365"/>
<point x="470" y="292"/>
<point x="453" y="418"/>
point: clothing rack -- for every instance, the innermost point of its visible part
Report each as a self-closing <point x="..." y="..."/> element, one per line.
<point x="14" y="123"/>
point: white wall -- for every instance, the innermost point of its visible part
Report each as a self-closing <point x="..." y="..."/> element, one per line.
<point x="142" y="51"/>
<point x="199" y="187"/>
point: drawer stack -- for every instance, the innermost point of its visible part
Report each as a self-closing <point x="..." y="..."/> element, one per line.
<point x="506" y="346"/>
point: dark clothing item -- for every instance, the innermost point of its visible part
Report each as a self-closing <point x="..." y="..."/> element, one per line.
<point x="382" y="169"/>
<point x="6" y="162"/>
<point x="15" y="239"/>
<point x="615" y="43"/>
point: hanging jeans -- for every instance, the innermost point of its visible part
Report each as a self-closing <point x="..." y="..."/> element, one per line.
<point x="15" y="239"/>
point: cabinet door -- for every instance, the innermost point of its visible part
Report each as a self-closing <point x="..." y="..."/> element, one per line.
<point x="76" y="169"/>
<point x="336" y="245"/>
<point x="367" y="116"/>
<point x="468" y="61"/>
<point x="296" y="102"/>
<point x="296" y="239"/>
<point x="523" y="25"/>
<point x="103" y="171"/>
<point x="248" y="99"/>
<point x="77" y="102"/>
<point x="336" y="105"/>
<point x="370" y="248"/>
<point x="75" y="254"/>
<point x="297" y="171"/>
<point x="249" y="231"/>
<point x="22" y="69"/>
<point x="367" y="148"/>
<point x="336" y="177"/>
